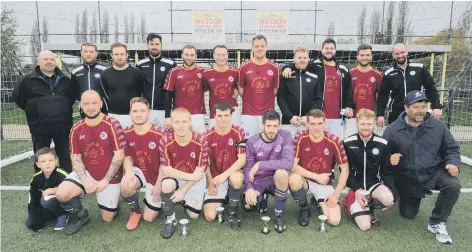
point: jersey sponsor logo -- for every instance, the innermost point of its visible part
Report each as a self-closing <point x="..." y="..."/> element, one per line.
<point x="375" y="151"/>
<point x="192" y="154"/>
<point x="211" y="80"/>
<point x="307" y="149"/>
<point x="199" y="75"/>
<point x="163" y="68"/>
<point x="249" y="72"/>
<point x="308" y="80"/>
<point x="231" y="78"/>
<point x="180" y="77"/>
<point x="152" y="145"/>
<point x="103" y="135"/>
<point x="230" y="142"/>
<point x="372" y="79"/>
<point x="132" y="144"/>
<point x="97" y="75"/>
<point x="214" y="145"/>
<point x="270" y="72"/>
<point x="412" y="73"/>
<point x="326" y="151"/>
<point x="278" y="148"/>
<point x="260" y="154"/>
<point x="81" y="137"/>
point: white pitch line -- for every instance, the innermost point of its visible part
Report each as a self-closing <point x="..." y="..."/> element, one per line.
<point x="26" y="188"/>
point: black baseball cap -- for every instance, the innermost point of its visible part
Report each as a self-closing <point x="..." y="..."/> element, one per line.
<point x="414" y="97"/>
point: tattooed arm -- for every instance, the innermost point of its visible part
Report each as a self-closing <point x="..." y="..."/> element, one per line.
<point x="78" y="166"/>
<point x="115" y="165"/>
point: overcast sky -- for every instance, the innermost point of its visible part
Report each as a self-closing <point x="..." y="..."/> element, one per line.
<point x="427" y="18"/>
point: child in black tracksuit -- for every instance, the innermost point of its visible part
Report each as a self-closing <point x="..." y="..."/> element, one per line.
<point x="43" y="205"/>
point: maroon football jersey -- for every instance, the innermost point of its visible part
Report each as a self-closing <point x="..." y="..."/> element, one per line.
<point x="188" y="88"/>
<point x="258" y="82"/>
<point x="224" y="149"/>
<point x="97" y="143"/>
<point x="221" y="87"/>
<point x="318" y="157"/>
<point x="332" y="93"/>
<point x="184" y="158"/>
<point x="365" y="87"/>
<point x="144" y="149"/>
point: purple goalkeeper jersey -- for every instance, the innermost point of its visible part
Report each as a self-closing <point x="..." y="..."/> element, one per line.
<point x="271" y="156"/>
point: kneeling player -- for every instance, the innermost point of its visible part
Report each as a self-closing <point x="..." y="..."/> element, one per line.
<point x="227" y="157"/>
<point x="141" y="164"/>
<point x="269" y="156"/>
<point x="97" y="148"/>
<point x="184" y="157"/>
<point x="368" y="157"/>
<point x="315" y="150"/>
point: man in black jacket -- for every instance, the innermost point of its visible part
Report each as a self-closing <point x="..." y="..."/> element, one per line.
<point x="336" y="87"/>
<point x="87" y="76"/>
<point x="155" y="69"/>
<point x="47" y="95"/>
<point x="400" y="79"/>
<point x="298" y="94"/>
<point x="370" y="176"/>
<point x="429" y="159"/>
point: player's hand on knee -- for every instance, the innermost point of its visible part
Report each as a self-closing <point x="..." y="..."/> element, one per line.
<point x="331" y="200"/>
<point x="220" y="179"/>
<point x="89" y="185"/>
<point x="197" y="175"/>
<point x="212" y="190"/>
<point x="323" y="178"/>
<point x="452" y="169"/>
<point x="178" y="195"/>
<point x="128" y="180"/>
<point x="251" y="197"/>
<point x="287" y="73"/>
<point x="360" y="198"/>
<point x="156" y="193"/>
<point x="100" y="185"/>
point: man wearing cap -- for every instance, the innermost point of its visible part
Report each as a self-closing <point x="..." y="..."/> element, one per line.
<point x="427" y="158"/>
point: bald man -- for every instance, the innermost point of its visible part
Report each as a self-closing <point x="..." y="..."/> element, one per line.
<point x="97" y="145"/>
<point x="402" y="78"/>
<point x="184" y="157"/>
<point x="47" y="95"/>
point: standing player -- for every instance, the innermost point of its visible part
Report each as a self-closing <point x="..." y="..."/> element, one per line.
<point x="365" y="85"/>
<point x="184" y="158"/>
<point x="269" y="157"/>
<point x="97" y="150"/>
<point x="155" y="69"/>
<point x="315" y="151"/>
<point x="184" y="85"/>
<point x="258" y="84"/>
<point x="141" y="164"/>
<point x="221" y="81"/>
<point x="336" y="88"/>
<point x="369" y="158"/>
<point x="227" y="157"/>
<point x="87" y="76"/>
<point x="121" y="82"/>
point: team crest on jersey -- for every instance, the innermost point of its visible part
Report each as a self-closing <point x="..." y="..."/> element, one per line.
<point x="199" y="75"/>
<point x="192" y="154"/>
<point x="163" y="68"/>
<point x="270" y="72"/>
<point x="308" y="80"/>
<point x="412" y="73"/>
<point x="97" y="75"/>
<point x="103" y="135"/>
<point x="278" y="148"/>
<point x="230" y="142"/>
<point x="152" y="145"/>
<point x="231" y="78"/>
<point x="375" y="151"/>
<point x="326" y="151"/>
<point x="372" y="79"/>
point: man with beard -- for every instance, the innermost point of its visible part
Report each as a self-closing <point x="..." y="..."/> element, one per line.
<point x="370" y="172"/>
<point x="184" y="85"/>
<point x="155" y="69"/>
<point x="97" y="146"/>
<point x="365" y="85"/>
<point x="335" y="86"/>
<point x="299" y="94"/>
<point x="315" y="151"/>
<point x="258" y="84"/>
<point x="121" y="82"/>
<point x="141" y="164"/>
<point x="87" y="76"/>
<point x="400" y="79"/>
<point x="429" y="159"/>
<point x="221" y="81"/>
<point x="269" y="157"/>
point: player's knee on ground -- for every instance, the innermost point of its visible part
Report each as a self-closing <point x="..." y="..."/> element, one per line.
<point x="409" y="207"/>
<point x="107" y="216"/>
<point x="149" y="215"/>
<point x="192" y="215"/>
<point x="363" y="222"/>
<point x="333" y="213"/>
<point x="168" y="186"/>
<point x="210" y="214"/>
<point x="236" y="180"/>
<point x="295" y="181"/>
<point x="62" y="194"/>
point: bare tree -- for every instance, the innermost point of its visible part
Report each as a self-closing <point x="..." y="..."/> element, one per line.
<point x="131" y="28"/>
<point x="84" y="26"/>
<point x="45" y="35"/>
<point x="361" y="29"/>
<point x="105" y="36"/>
<point x="77" y="28"/>
<point x="93" y="28"/>
<point x="330" y="31"/>
<point x="388" y="37"/>
<point x="403" y="23"/>
<point x="126" y="25"/>
<point x="375" y="20"/>
<point x="143" y="28"/>
<point x="117" y="31"/>
<point x="35" y="42"/>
